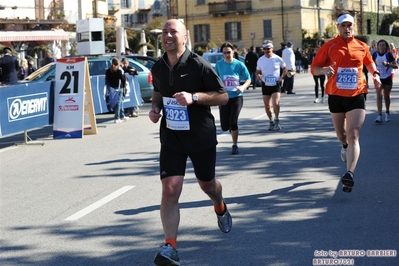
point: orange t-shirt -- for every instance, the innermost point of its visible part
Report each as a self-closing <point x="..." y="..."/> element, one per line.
<point x="349" y="57"/>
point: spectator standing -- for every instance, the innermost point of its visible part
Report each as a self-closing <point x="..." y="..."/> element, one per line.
<point x="186" y="84"/>
<point x="31" y="65"/>
<point x="271" y="70"/>
<point x="23" y="69"/>
<point x="128" y="51"/>
<point x="251" y="60"/>
<point x="319" y="80"/>
<point x="244" y="52"/>
<point x="305" y="61"/>
<point x="48" y="58"/>
<point x="279" y="52"/>
<point x="127" y="69"/>
<point x="236" y="56"/>
<point x="115" y="80"/>
<point x="232" y="71"/>
<point x="346" y="89"/>
<point x="289" y="60"/>
<point x="298" y="60"/>
<point x="9" y="66"/>
<point x="386" y="63"/>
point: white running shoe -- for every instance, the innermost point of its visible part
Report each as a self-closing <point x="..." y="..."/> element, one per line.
<point x="322" y="99"/>
<point x="316" y="100"/>
<point x="125" y="118"/>
<point x="118" y="121"/>
<point x="277" y="124"/>
<point x="387" y="117"/>
<point x="271" y="125"/>
<point x="167" y="255"/>
<point x="378" y="120"/>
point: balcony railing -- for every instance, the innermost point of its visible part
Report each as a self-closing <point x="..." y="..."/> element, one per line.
<point x="229" y="7"/>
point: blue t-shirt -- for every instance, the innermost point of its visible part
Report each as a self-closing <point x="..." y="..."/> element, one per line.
<point x="232" y="74"/>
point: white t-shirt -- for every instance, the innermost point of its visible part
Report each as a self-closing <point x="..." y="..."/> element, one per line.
<point x="289" y="58"/>
<point x="270" y="68"/>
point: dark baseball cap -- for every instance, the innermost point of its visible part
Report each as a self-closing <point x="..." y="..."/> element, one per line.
<point x="283" y="44"/>
<point x="289" y="44"/>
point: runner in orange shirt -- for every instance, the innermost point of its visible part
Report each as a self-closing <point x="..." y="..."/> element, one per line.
<point x="341" y="60"/>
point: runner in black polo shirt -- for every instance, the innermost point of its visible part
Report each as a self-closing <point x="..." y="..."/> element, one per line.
<point x="185" y="86"/>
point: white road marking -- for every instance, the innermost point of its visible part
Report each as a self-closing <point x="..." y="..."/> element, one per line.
<point x="99" y="203"/>
<point x="259" y="117"/>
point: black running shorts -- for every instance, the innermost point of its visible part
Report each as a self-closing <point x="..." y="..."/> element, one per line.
<point x="269" y="90"/>
<point x="387" y="81"/>
<point x="339" y="104"/>
<point x="174" y="163"/>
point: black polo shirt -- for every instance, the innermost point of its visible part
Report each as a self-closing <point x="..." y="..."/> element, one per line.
<point x="191" y="74"/>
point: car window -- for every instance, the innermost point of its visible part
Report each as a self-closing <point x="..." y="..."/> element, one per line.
<point x="51" y="76"/>
<point x="145" y="62"/>
<point x="135" y="66"/>
<point x="215" y="58"/>
<point x="98" y="67"/>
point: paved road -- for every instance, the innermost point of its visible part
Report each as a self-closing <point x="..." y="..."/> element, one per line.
<point x="95" y="201"/>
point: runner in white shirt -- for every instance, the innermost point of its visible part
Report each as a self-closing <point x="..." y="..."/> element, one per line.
<point x="268" y="70"/>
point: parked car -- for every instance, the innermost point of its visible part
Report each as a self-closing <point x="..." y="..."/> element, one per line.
<point x="214" y="57"/>
<point x="98" y="66"/>
<point x="148" y="61"/>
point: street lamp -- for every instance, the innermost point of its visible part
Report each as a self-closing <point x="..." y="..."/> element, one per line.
<point x="157" y="32"/>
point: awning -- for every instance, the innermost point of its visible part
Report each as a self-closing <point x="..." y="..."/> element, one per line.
<point x="27" y="36"/>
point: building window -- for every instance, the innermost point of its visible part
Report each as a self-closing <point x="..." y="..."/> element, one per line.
<point x="142" y="18"/>
<point x="267" y="29"/>
<point x="201" y="33"/>
<point x="126" y="3"/>
<point x="157" y="4"/>
<point x="157" y="15"/>
<point x="111" y="5"/>
<point x="201" y="2"/>
<point x="232" y="31"/>
<point x="125" y="20"/>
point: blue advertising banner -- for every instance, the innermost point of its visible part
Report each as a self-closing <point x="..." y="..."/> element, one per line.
<point x="133" y="96"/>
<point x="25" y="106"/>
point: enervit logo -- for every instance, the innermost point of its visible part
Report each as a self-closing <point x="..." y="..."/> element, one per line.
<point x="27" y="106"/>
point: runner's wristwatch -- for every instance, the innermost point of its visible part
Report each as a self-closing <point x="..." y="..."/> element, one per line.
<point x="376" y="73"/>
<point x="195" y="98"/>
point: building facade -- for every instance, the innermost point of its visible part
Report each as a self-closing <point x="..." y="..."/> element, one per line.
<point x="35" y="23"/>
<point x="249" y="22"/>
<point x="135" y="14"/>
<point x="245" y="23"/>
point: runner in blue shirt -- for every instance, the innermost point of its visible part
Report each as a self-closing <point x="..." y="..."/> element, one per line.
<point x="232" y="71"/>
